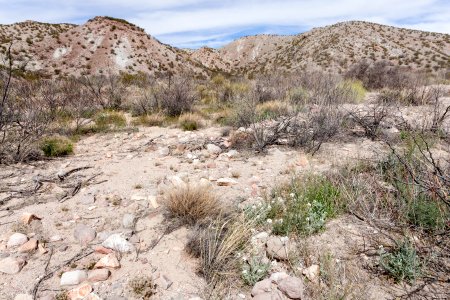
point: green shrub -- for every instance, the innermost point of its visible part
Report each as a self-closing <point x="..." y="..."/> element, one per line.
<point x="426" y="214"/>
<point x="301" y="207"/>
<point x="254" y="270"/>
<point x="402" y="263"/>
<point x="56" y="146"/>
<point x="356" y="89"/>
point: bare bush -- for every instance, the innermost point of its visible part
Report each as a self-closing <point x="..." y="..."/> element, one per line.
<point x="176" y="96"/>
<point x="370" y="118"/>
<point x="106" y="91"/>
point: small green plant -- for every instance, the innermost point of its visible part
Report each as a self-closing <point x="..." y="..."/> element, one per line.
<point x="57" y="146"/>
<point x="426" y="214"/>
<point x="254" y="270"/>
<point x="402" y="263"/>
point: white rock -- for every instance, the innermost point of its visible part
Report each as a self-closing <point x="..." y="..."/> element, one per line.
<point x="312" y="272"/>
<point x="11" y="265"/>
<point x="128" y="221"/>
<point x="226" y="182"/>
<point x="213" y="149"/>
<point x="17" y="239"/>
<point x="164" y="151"/>
<point x="118" y="243"/>
<point x="278" y="276"/>
<point x="73" y="277"/>
<point x="177" y="182"/>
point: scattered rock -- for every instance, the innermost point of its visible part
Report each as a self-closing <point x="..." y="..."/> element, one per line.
<point x="16" y="239"/>
<point x="27" y="218"/>
<point x="118" y="243"/>
<point x="98" y="275"/>
<point x="56" y="238"/>
<point x="92" y="296"/>
<point x="177" y="182"/>
<point x="109" y="261"/>
<point x="84" y="234"/>
<point x="213" y="149"/>
<point x="153" y="202"/>
<point x="279" y="247"/>
<point x="11" y="265"/>
<point x="226" y="182"/>
<point x="262" y="287"/>
<point x="73" y="277"/>
<point x="292" y="287"/>
<point x="80" y="292"/>
<point x="262" y="236"/>
<point x="128" y="221"/>
<point x="29" y="246"/>
<point x="312" y="272"/>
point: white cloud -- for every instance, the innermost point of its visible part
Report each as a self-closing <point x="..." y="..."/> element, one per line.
<point x="191" y="22"/>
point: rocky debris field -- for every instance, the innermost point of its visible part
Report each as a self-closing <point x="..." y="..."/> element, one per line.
<point x="92" y="226"/>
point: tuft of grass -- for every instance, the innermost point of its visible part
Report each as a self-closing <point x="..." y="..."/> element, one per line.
<point x="190" y="122"/>
<point x="57" y="146"/>
<point x="192" y="203"/>
<point x="150" y="120"/>
<point x="217" y="245"/>
<point x="272" y="109"/>
<point x="356" y="89"/>
<point x="403" y="263"/>
<point x="107" y="120"/>
<point x="142" y="286"/>
<point x="426" y="214"/>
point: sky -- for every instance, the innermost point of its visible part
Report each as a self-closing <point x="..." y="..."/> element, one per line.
<point x="196" y="23"/>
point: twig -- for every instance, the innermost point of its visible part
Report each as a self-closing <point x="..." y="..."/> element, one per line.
<point x="49" y="274"/>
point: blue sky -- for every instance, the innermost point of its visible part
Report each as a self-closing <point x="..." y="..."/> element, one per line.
<point x="194" y="23"/>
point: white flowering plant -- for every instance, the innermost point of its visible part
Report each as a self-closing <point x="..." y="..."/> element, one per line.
<point x="254" y="269"/>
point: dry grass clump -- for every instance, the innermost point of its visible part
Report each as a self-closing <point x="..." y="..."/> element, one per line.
<point x="273" y="109"/>
<point x="217" y="244"/>
<point x="190" y="121"/>
<point x="142" y="286"/>
<point x="157" y="119"/>
<point x="192" y="203"/>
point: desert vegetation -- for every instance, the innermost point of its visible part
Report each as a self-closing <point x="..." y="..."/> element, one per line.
<point x="263" y="241"/>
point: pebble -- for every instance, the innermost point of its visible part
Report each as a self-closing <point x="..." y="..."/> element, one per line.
<point x="109" y="261"/>
<point x="73" y="277"/>
<point x="27" y="218"/>
<point x="312" y="272"/>
<point x="11" y="265"/>
<point x="84" y="234"/>
<point x="29" y="246"/>
<point x="98" y="275"/>
<point x="226" y="182"/>
<point x="16" y="239"/>
<point x="118" y="243"/>
<point x="213" y="149"/>
<point x="128" y="221"/>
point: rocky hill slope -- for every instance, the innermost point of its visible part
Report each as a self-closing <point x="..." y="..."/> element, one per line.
<point x="106" y="44"/>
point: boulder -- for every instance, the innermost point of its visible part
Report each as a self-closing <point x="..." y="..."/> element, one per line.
<point x="312" y="273"/>
<point x="262" y="287"/>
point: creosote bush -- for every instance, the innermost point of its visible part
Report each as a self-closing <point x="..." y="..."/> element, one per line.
<point x="56" y="146"/>
<point x="192" y="203"/>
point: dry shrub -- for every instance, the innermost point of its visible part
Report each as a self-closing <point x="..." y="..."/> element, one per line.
<point x="241" y="140"/>
<point x="176" y="96"/>
<point x="142" y="286"/>
<point x="273" y="109"/>
<point x="192" y="203"/>
<point x="370" y="118"/>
